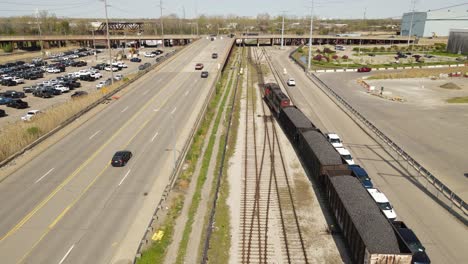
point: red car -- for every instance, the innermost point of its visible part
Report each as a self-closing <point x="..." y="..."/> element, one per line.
<point x="364" y="69"/>
<point x="198" y="66"/>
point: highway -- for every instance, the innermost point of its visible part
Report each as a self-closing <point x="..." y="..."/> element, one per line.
<point x="68" y="205"/>
<point x="443" y="236"/>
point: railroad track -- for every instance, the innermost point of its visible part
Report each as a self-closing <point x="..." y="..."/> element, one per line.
<point x="270" y="230"/>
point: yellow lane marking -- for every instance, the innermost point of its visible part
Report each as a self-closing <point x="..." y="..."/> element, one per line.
<point x="63" y="213"/>
<point x="80" y="168"/>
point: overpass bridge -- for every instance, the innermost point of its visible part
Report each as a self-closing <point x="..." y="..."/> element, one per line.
<point x="49" y="41"/>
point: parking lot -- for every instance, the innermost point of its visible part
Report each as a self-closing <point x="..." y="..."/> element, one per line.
<point x="37" y="103"/>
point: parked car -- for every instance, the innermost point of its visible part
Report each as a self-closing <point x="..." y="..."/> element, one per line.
<point x="346" y="155"/>
<point x="135" y="60"/>
<point x="61" y="88"/>
<point x="8" y="82"/>
<point x="419" y="251"/>
<point x="361" y="174"/>
<point x="214" y="55"/>
<point x="383" y="203"/>
<point x="121" y="158"/>
<point x="150" y="55"/>
<point x="30" y="115"/>
<point x="18" y="104"/>
<point x="17" y="80"/>
<point x="291" y="82"/>
<point x="13" y="94"/>
<point x="364" y="69"/>
<point x="204" y="74"/>
<point x="44" y="92"/>
<point x="2" y="113"/>
<point x="109" y="68"/>
<point x="5" y="100"/>
<point x="118" y="77"/>
<point x="199" y="66"/>
<point x="334" y="139"/>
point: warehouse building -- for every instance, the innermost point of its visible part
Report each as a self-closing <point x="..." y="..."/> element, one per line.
<point x="434" y="23"/>
<point x="458" y="41"/>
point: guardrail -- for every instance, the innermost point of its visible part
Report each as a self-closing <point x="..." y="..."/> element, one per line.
<point x="440" y="188"/>
<point x="172" y="179"/>
<point x="82" y="112"/>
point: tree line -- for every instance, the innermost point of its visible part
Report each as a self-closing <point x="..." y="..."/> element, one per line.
<point x="50" y="24"/>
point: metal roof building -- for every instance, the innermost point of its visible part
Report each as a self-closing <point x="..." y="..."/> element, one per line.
<point x="434" y="22"/>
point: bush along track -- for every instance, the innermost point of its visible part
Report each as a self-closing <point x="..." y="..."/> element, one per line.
<point x="157" y="252"/>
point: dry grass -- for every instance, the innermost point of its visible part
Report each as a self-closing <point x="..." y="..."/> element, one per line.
<point x="458" y="100"/>
<point x="31" y="55"/>
<point x="20" y="134"/>
<point x="417" y="73"/>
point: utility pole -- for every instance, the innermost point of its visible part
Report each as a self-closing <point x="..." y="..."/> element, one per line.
<point x="161" y="20"/>
<point x="309" y="63"/>
<point x="108" y="43"/>
<point x="40" y="34"/>
<point x="411" y="23"/>
<point x="282" y="32"/>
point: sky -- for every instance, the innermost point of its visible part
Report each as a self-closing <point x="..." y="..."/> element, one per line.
<point x="151" y="8"/>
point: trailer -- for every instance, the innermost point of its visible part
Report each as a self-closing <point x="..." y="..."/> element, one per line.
<point x="319" y="156"/>
<point x="369" y="236"/>
<point x="293" y="122"/>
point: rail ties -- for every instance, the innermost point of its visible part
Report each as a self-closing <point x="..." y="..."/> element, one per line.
<point x="269" y="225"/>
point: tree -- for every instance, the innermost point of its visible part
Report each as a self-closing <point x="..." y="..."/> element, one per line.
<point x="8" y="47"/>
<point x="263" y="22"/>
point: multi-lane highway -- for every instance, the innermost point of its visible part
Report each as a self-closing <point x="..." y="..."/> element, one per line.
<point x="443" y="236"/>
<point x="68" y="205"/>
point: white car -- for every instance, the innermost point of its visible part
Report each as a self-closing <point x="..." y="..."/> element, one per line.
<point x="344" y="153"/>
<point x="103" y="83"/>
<point x="150" y="55"/>
<point x="383" y="203"/>
<point x="61" y="88"/>
<point x="291" y="82"/>
<point x="18" y="80"/>
<point x="96" y="75"/>
<point x="84" y="72"/>
<point x="334" y="139"/>
<point x="30" y="114"/>
<point x="118" y="77"/>
<point x="53" y="70"/>
<point x="108" y="68"/>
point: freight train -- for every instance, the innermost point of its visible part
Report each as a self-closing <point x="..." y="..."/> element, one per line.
<point x="368" y="234"/>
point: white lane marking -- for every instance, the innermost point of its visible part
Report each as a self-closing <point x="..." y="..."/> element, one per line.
<point x="145" y="92"/>
<point x="125" y="109"/>
<point x="155" y="135"/>
<point x="173" y="110"/>
<point x="186" y="93"/>
<point x="47" y="173"/>
<point x="156" y="110"/>
<point x="91" y="137"/>
<point x="66" y="254"/>
<point x="123" y="179"/>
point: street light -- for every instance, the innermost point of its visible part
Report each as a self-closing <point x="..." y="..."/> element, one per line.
<point x="309" y="63"/>
<point x="108" y="43"/>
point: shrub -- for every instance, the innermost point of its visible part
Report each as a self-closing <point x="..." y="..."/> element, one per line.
<point x="327" y="50"/>
<point x="318" y="51"/>
<point x="382" y="49"/>
<point x="345" y="57"/>
<point x="8" y="47"/>
<point x="300" y="50"/>
<point x="335" y="57"/>
<point x="33" y="131"/>
<point x="375" y="49"/>
<point x="318" y="57"/>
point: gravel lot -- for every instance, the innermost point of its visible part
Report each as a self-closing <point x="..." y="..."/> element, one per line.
<point x="13" y="115"/>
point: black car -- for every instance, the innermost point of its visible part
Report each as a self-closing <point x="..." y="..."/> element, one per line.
<point x="18" y="104"/>
<point x="13" y="94"/>
<point x="135" y="60"/>
<point x="204" y="74"/>
<point x="121" y="158"/>
<point x="78" y="94"/>
<point x="2" y="113"/>
<point x="8" y="82"/>
<point x="44" y="93"/>
<point x="30" y="89"/>
<point x="416" y="247"/>
<point x="214" y="55"/>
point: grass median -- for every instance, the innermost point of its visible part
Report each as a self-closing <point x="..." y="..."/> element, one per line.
<point x="458" y="100"/>
<point x="417" y="73"/>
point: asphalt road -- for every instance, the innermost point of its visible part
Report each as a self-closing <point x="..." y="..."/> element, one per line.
<point x="68" y="205"/>
<point x="427" y="131"/>
<point x="443" y="236"/>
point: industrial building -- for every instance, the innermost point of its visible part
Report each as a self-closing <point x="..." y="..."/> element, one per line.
<point x="458" y="41"/>
<point x="434" y="23"/>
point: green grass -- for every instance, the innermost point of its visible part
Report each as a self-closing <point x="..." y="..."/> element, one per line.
<point x="156" y="252"/>
<point x="220" y="240"/>
<point x="201" y="178"/>
<point x="446" y="54"/>
<point x="458" y="100"/>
